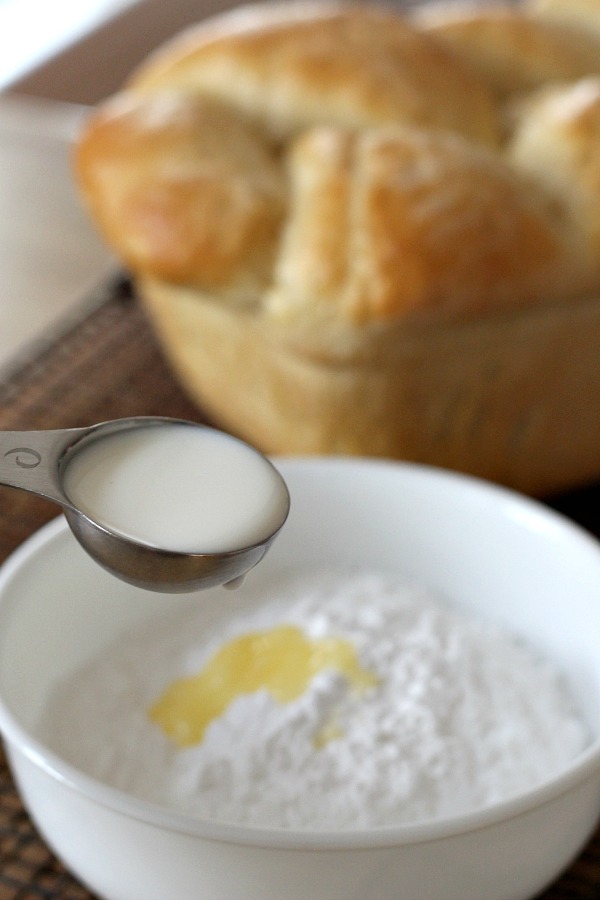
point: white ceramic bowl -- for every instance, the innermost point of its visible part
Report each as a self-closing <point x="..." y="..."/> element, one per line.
<point x="493" y="551"/>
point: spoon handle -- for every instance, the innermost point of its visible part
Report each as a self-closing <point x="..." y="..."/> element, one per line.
<point x="30" y="460"/>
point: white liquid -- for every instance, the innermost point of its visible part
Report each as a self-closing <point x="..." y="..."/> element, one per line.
<point x="178" y="487"/>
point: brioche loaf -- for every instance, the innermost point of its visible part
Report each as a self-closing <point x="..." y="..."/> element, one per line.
<point x="362" y="232"/>
<point x="185" y="188"/>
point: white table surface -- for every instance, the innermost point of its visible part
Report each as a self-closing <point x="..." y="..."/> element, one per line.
<point x="50" y="255"/>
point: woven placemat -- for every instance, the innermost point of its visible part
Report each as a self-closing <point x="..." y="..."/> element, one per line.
<point x="105" y="365"/>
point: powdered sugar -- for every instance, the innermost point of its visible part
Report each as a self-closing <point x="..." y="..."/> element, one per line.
<point x="462" y="715"/>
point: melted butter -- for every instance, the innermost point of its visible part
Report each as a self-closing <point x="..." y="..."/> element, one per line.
<point x="282" y="660"/>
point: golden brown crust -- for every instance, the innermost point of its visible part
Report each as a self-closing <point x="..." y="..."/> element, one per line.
<point x="297" y="64"/>
<point x="393" y="222"/>
<point x="556" y="140"/>
<point x="197" y="176"/>
<point x="186" y="189"/>
<point x="337" y="254"/>
<point x="512" y="50"/>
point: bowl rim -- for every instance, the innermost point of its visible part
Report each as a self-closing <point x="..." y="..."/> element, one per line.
<point x="19" y="740"/>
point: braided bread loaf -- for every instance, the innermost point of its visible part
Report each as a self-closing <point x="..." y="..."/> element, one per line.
<point x="361" y="232"/>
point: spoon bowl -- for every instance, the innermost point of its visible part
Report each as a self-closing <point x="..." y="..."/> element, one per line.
<point x="161" y="570"/>
<point x="39" y="461"/>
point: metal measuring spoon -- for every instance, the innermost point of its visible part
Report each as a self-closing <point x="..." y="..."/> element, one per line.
<point x="36" y="461"/>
